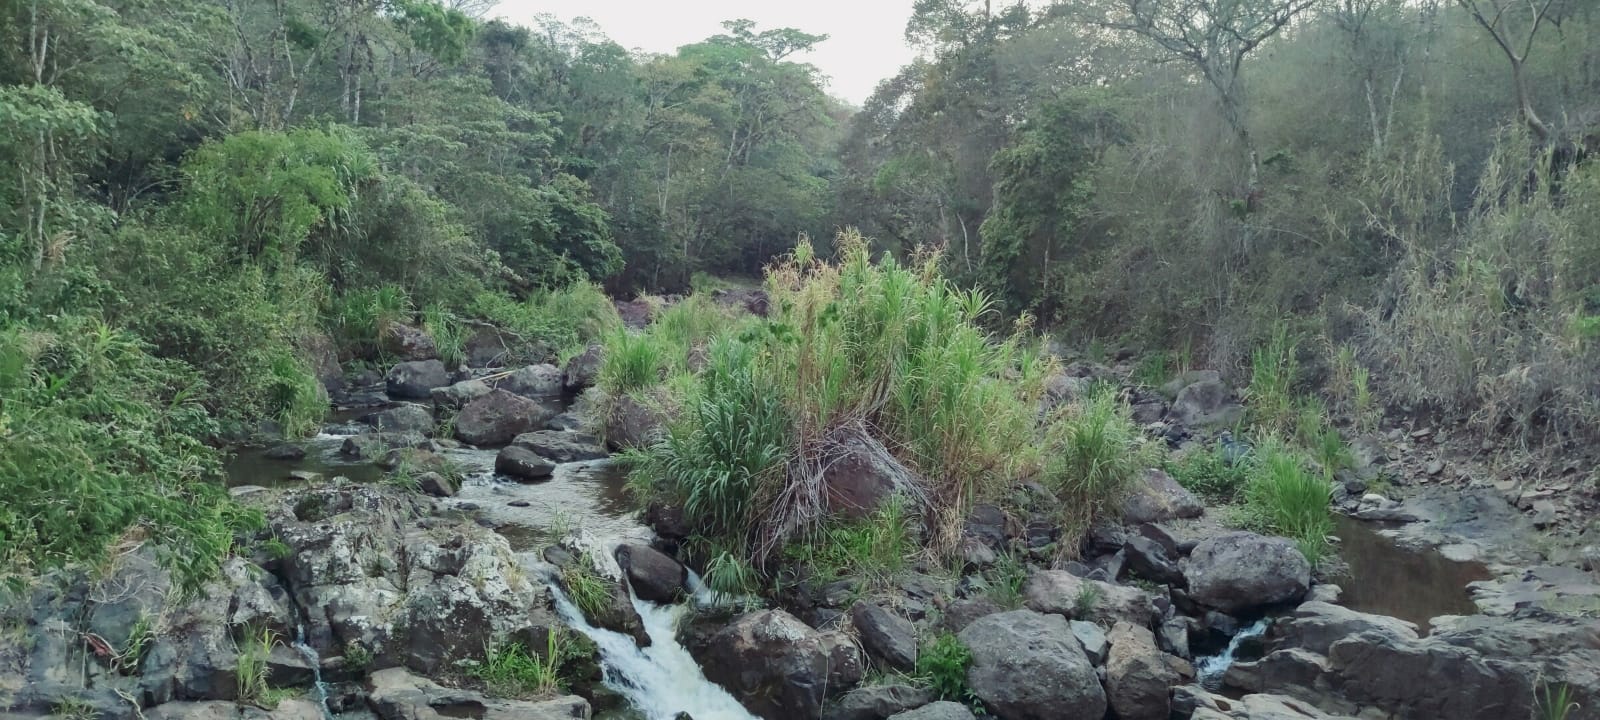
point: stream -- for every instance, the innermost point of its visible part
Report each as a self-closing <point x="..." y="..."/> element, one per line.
<point x="1386" y="579"/>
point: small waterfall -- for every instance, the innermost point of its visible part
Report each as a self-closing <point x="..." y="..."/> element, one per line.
<point x="315" y="662"/>
<point x="1209" y="670"/>
<point x="662" y="680"/>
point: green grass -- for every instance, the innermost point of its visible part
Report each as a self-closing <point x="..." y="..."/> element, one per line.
<point x="942" y="666"/>
<point x="449" y="334"/>
<point x="1209" y="474"/>
<point x="359" y="317"/>
<point x="1087" y="599"/>
<point x="1274" y="370"/>
<point x="1285" y="497"/>
<point x="1555" y="702"/>
<point x="731" y="576"/>
<point x="548" y="323"/>
<point x="511" y="670"/>
<point x="633" y="361"/>
<point x="1006" y="580"/>
<point x="873" y="549"/>
<point x="253" y="649"/>
<point x="295" y="396"/>
<point x="591" y="593"/>
<point x="1094" y="455"/>
<point x="1154" y="370"/>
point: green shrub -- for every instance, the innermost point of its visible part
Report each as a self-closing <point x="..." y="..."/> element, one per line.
<point x="100" y="441"/>
<point x="1283" y="496"/>
<point x="1094" y="451"/>
<point x="359" y="317"/>
<point x="942" y="665"/>
<point x="550" y="323"/>
<point x="1210" y="474"/>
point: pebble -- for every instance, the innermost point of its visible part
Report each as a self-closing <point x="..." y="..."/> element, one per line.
<point x="1434" y="467"/>
<point x="519" y="503"/>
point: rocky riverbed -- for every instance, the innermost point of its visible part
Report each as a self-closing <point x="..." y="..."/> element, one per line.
<point x="379" y="597"/>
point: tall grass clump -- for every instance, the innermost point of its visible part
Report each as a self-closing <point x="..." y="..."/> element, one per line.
<point x="359" y="316"/>
<point x="1282" y="495"/>
<point x="550" y="323"/>
<point x="883" y="360"/>
<point x="511" y="669"/>
<point x="633" y="361"/>
<point x="449" y="334"/>
<point x="873" y="549"/>
<point x="1273" y="373"/>
<point x="1093" y="454"/>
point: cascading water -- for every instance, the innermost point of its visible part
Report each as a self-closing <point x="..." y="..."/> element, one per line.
<point x="660" y="681"/>
<point x="1209" y="670"/>
<point x="315" y="662"/>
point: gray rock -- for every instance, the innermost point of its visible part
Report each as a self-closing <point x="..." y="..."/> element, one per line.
<point x="584" y="368"/>
<point x="402" y="419"/>
<point x="877" y="702"/>
<point x="860" y="473"/>
<point x="1029" y="666"/>
<point x="1062" y="593"/>
<point x="886" y="636"/>
<point x="488" y="347"/>
<point x="436" y="484"/>
<point x="286" y="451"/>
<point x="561" y="447"/>
<point x="407" y="342"/>
<point x="632" y="423"/>
<point x="415" y="380"/>
<point x="654" y="576"/>
<point x="522" y="464"/>
<point x="1429" y="679"/>
<point x="396" y="694"/>
<point x="372" y="446"/>
<point x="451" y="398"/>
<point x="1176" y="385"/>
<point x="1172" y="636"/>
<point x="1207" y="403"/>
<point x="1149" y="559"/>
<point x="497" y="418"/>
<point x="960" y="613"/>
<point x="777" y="666"/>
<point x="533" y="381"/>
<point x="1240" y="571"/>
<point x="1137" y="677"/>
<point x="1158" y="498"/>
<point x="1092" y="639"/>
<point x="1316" y="626"/>
<point x="942" y="710"/>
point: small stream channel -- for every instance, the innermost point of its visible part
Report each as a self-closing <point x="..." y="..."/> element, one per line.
<point x="1386" y="579"/>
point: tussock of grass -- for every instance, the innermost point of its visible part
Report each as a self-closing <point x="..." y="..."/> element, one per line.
<point x="1284" y="496"/>
<point x="1094" y="455"/>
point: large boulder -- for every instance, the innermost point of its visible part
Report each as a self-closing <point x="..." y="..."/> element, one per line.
<point x="583" y="370"/>
<point x="415" y="380"/>
<point x="323" y="355"/>
<point x="632" y="422"/>
<point x="398" y="695"/>
<point x="778" y="667"/>
<point x="860" y="473"/>
<point x="401" y="419"/>
<point x="886" y="636"/>
<point x="1138" y="678"/>
<point x="561" y="446"/>
<point x="653" y="576"/>
<point x="451" y="398"/>
<point x="1420" y="679"/>
<point x="533" y="381"/>
<point x="1150" y="558"/>
<point x="498" y="418"/>
<point x="371" y="446"/>
<point x="1207" y="403"/>
<point x="942" y="710"/>
<point x="877" y="702"/>
<point x="522" y="464"/>
<point x="1241" y="571"/>
<point x="1159" y="498"/>
<point x="407" y="342"/>
<point x="489" y="347"/>
<point x="1060" y="592"/>
<point x="1028" y="666"/>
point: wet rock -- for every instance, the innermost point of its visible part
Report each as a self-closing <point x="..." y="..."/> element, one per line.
<point x="1062" y="593"/>
<point x="1137" y="677"/>
<point x="1207" y="403"/>
<point x="618" y="615"/>
<point x="286" y="451"/>
<point x="877" y="702"/>
<point x="407" y="342"/>
<point x="1028" y="666"/>
<point x="497" y="418"/>
<point x="1240" y="571"/>
<point x="653" y="576"/>
<point x="533" y="381"/>
<point x="777" y="666"/>
<point x="1092" y="639"/>
<point x="398" y="695"/>
<point x="415" y="380"/>
<point x="522" y="464"/>
<point x="451" y="398"/>
<point x="402" y="419"/>
<point x="668" y="521"/>
<point x="415" y="460"/>
<point x="888" y="637"/>
<point x="942" y="710"/>
<point x="1316" y="626"/>
<point x="372" y="446"/>
<point x="584" y="368"/>
<point x="1158" y="498"/>
<point x="561" y="447"/>
<point x="1172" y="636"/>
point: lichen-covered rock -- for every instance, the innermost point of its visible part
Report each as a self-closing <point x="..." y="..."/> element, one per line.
<point x="584" y="368"/>
<point x="560" y="446"/>
<point x="533" y="381"/>
<point x="1028" y="666"/>
<point x="401" y="419"/>
<point x="877" y="702"/>
<point x="1156" y="497"/>
<point x="408" y="342"/>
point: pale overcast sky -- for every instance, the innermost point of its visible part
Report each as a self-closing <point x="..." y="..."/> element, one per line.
<point x="866" y="40"/>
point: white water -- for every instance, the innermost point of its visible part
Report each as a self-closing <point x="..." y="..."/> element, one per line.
<point x="661" y="680"/>
<point x="1209" y="670"/>
<point x="311" y="657"/>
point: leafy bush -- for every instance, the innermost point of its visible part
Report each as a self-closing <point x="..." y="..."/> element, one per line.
<point x="942" y="665"/>
<point x="1285" y="497"/>
<point x="550" y="323"/>
<point x="101" y="442"/>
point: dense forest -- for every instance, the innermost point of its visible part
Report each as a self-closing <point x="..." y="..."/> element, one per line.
<point x="201" y="198"/>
